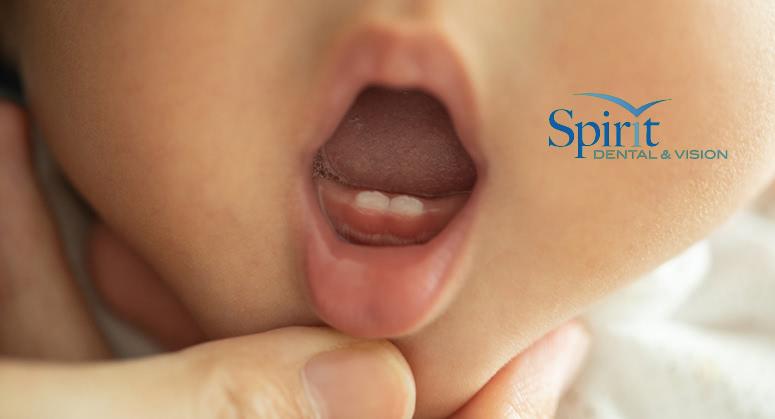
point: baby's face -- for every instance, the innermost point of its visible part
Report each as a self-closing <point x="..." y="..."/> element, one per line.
<point x="191" y="127"/>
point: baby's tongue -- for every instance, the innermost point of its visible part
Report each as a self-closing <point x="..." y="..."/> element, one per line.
<point x="400" y="142"/>
<point x="394" y="172"/>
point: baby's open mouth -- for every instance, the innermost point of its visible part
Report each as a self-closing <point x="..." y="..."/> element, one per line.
<point x="392" y="177"/>
<point x="394" y="172"/>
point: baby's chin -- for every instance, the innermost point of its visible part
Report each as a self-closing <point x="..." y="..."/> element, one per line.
<point x="450" y="360"/>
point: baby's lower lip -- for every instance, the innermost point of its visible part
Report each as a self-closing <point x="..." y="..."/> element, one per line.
<point x="380" y="291"/>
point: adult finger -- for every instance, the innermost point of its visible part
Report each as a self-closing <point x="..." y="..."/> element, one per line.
<point x="530" y="386"/>
<point x="286" y="373"/>
<point x="41" y="311"/>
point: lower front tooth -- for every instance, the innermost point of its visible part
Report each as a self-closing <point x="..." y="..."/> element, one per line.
<point x="406" y="205"/>
<point x="373" y="200"/>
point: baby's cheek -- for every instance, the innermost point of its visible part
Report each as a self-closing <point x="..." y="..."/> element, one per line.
<point x="561" y="231"/>
<point x="592" y="223"/>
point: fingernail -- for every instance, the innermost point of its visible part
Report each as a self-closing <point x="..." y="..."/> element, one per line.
<point x="578" y="340"/>
<point x="364" y="381"/>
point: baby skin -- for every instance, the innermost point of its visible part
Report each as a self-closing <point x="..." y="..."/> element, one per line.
<point x="385" y="168"/>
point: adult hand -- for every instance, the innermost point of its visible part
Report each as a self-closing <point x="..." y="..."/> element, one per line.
<point x="285" y="373"/>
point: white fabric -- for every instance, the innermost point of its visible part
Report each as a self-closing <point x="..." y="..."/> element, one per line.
<point x="693" y="339"/>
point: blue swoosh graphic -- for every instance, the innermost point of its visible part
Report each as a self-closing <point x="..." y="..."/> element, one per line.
<point x="624" y="104"/>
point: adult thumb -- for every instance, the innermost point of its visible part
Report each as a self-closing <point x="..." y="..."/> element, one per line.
<point x="286" y="373"/>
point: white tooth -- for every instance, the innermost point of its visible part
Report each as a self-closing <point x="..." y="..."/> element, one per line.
<point x="406" y="205"/>
<point x="372" y="200"/>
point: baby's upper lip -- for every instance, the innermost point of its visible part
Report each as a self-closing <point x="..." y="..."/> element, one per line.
<point x="388" y="291"/>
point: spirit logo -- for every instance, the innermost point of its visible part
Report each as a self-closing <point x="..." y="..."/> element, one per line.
<point x="620" y="128"/>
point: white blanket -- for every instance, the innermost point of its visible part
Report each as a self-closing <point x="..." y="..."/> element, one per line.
<point x="693" y="339"/>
